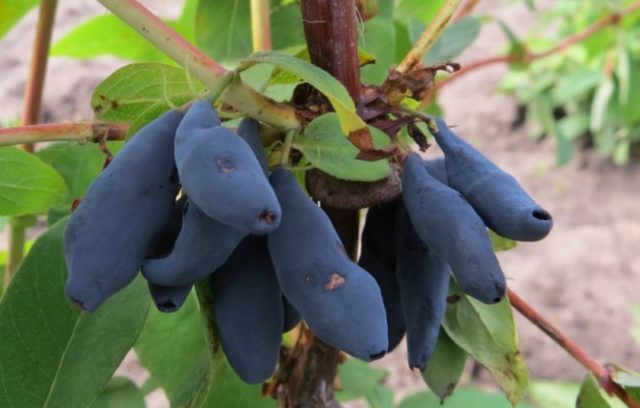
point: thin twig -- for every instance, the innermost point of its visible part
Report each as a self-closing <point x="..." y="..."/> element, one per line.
<point x="465" y="10"/>
<point x="30" y="115"/>
<point x="237" y="95"/>
<point x="580" y="355"/>
<point x="530" y="56"/>
<point x="428" y="37"/>
<point x="82" y="132"/>
<point x="260" y="25"/>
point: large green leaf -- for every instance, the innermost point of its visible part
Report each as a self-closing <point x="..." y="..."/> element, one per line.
<point x="325" y="146"/>
<point x="358" y="379"/>
<point x="229" y="391"/>
<point x="488" y="334"/>
<point x="139" y="93"/>
<point x="119" y="393"/>
<point x="463" y="398"/>
<point x="454" y="40"/>
<point x="78" y="165"/>
<point x="170" y="344"/>
<point x="27" y="184"/>
<point x="108" y="35"/>
<point x="12" y="11"/>
<point x="319" y="79"/>
<point x="445" y="366"/>
<point x="194" y="390"/>
<point x="52" y="354"/>
<point x="230" y="41"/>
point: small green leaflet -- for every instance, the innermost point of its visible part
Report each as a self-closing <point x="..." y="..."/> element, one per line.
<point x="319" y="79"/>
<point x="325" y="146"/>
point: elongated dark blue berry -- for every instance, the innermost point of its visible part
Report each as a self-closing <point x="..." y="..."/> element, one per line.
<point x="113" y="229"/>
<point x="249" y="131"/>
<point x="203" y="245"/>
<point x="378" y="257"/>
<point x="437" y="168"/>
<point x="220" y="173"/>
<point x="248" y="310"/>
<point x="169" y="299"/>
<point x="496" y="196"/>
<point x="449" y="226"/>
<point x="423" y="279"/>
<point x="339" y="300"/>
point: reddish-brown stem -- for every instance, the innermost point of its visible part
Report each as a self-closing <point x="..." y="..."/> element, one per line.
<point x="580" y="355"/>
<point x="332" y="38"/>
<point x="465" y="9"/>
<point x="38" y="67"/>
<point x="529" y="56"/>
<point x="30" y="114"/>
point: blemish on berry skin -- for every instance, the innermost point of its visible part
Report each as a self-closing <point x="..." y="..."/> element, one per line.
<point x="335" y="281"/>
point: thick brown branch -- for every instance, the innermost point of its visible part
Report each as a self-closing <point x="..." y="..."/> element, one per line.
<point x="332" y="37"/>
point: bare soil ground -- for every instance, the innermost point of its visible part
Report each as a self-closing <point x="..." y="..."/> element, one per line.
<point x="584" y="277"/>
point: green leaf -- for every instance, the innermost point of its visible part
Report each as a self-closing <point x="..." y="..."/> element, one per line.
<point x="357" y="379"/>
<point x="12" y="11"/>
<point x="77" y="164"/>
<point x="553" y="394"/>
<point x="445" y="366"/>
<point x="500" y="243"/>
<point x="325" y="146"/>
<point x="456" y="38"/>
<point x="319" y="79"/>
<point x="139" y="93"/>
<point x="600" y="103"/>
<point x="488" y="334"/>
<point x="195" y="388"/>
<point x="52" y="354"/>
<point x="27" y="185"/>
<point x="575" y="85"/>
<point x="170" y="344"/>
<point x="516" y="46"/>
<point x="590" y="395"/>
<point x="107" y="35"/>
<point x="230" y="41"/>
<point x="422" y="10"/>
<point x="119" y="393"/>
<point x="229" y="391"/>
<point x="378" y="37"/>
<point x="463" y="398"/>
<point x="380" y="397"/>
<point x="564" y="147"/>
